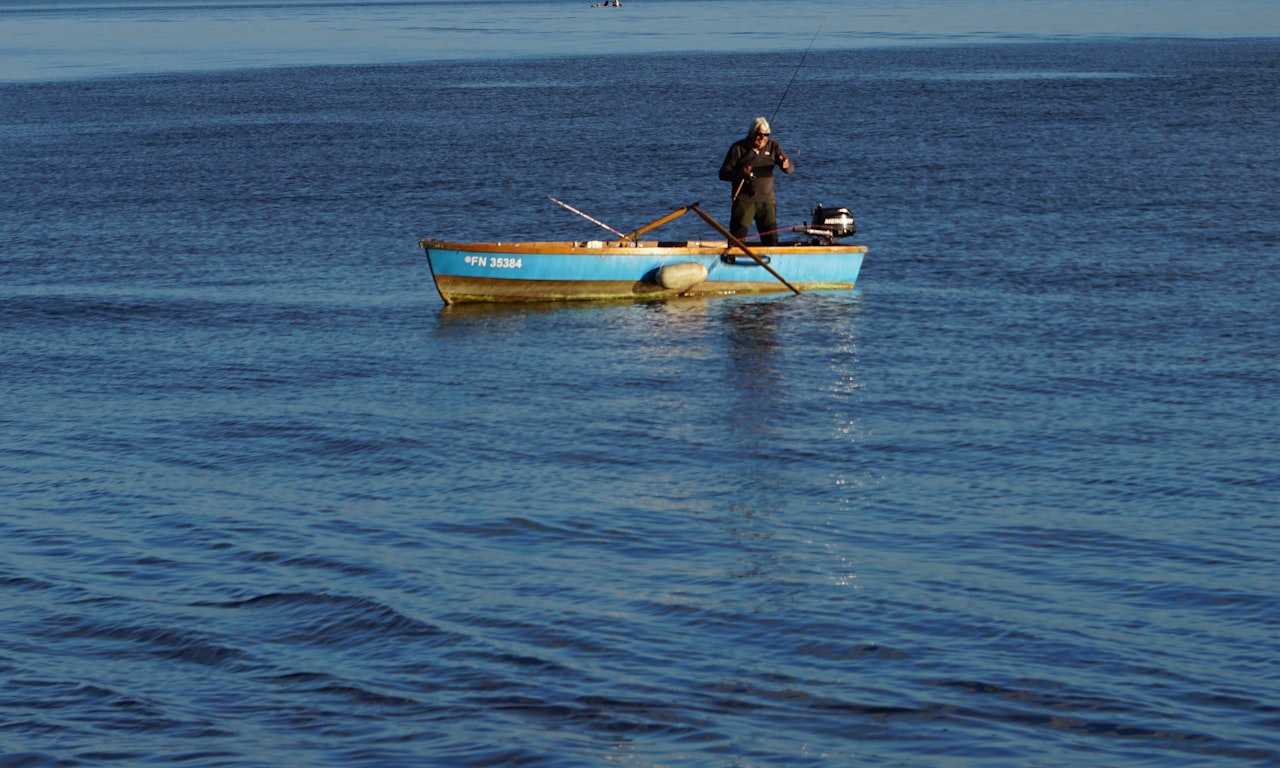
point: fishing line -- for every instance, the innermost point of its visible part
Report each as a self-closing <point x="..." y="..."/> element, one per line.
<point x="793" y="76"/>
<point x="785" y="91"/>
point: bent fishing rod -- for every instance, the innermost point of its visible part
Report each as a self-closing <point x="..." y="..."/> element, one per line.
<point x="795" y="74"/>
<point x="785" y="91"/>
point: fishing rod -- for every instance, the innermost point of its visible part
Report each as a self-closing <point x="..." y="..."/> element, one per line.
<point x="791" y="228"/>
<point x="585" y="216"/>
<point x="785" y="91"/>
<point x="795" y="74"/>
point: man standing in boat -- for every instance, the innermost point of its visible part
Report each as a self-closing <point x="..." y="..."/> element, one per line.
<point x="748" y="166"/>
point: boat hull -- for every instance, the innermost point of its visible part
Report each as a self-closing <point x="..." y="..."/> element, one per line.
<point x="603" y="271"/>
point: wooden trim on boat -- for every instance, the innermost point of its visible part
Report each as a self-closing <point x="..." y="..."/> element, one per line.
<point x="606" y="247"/>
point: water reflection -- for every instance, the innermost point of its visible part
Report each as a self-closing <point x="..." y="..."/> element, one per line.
<point x="678" y="307"/>
<point x="754" y="348"/>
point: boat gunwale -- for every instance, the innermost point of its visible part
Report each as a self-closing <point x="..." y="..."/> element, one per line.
<point x="640" y="248"/>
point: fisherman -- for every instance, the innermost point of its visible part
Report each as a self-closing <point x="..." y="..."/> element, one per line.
<point x="748" y="166"/>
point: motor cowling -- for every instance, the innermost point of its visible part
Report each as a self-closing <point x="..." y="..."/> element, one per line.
<point x="826" y="225"/>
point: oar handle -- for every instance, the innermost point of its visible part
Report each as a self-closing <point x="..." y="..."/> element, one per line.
<point x="657" y="223"/>
<point x="707" y="218"/>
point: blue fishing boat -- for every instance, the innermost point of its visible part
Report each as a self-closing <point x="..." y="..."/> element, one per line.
<point x="632" y="268"/>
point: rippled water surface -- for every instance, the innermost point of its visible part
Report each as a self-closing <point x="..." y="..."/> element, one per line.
<point x="266" y="501"/>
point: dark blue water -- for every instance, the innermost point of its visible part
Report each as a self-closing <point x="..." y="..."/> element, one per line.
<point x="266" y="501"/>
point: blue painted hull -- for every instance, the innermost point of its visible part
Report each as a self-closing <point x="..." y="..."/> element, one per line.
<point x="605" y="270"/>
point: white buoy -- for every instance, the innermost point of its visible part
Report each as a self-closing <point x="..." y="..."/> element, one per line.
<point x="682" y="276"/>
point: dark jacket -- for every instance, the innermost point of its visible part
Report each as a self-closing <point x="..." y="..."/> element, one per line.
<point x="759" y="189"/>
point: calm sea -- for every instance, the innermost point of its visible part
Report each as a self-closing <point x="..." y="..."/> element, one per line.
<point x="265" y="501"/>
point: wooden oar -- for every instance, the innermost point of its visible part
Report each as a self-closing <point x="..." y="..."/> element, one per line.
<point x="707" y="218"/>
<point x="657" y="223"/>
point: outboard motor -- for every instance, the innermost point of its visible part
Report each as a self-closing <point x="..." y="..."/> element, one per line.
<point x="828" y="225"/>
